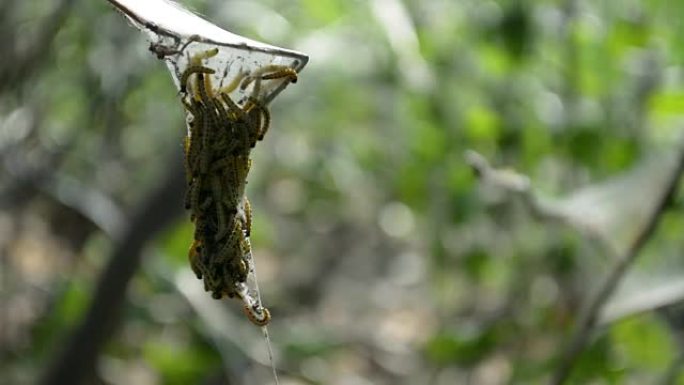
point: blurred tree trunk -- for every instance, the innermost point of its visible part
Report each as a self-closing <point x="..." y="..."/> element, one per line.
<point x="76" y="360"/>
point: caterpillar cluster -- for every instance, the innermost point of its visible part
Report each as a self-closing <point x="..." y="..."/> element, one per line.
<point x="217" y="150"/>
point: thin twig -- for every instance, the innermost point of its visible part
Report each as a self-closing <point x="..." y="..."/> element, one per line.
<point x="520" y="186"/>
<point x="589" y="317"/>
<point x="78" y="358"/>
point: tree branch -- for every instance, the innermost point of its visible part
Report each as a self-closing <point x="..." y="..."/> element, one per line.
<point x="588" y="318"/>
<point x="77" y="360"/>
<point x="22" y="64"/>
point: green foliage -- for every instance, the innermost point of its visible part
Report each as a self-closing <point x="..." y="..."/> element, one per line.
<point x="464" y="348"/>
<point x="175" y="243"/>
<point x="645" y="342"/>
<point x="470" y="287"/>
<point x="179" y="364"/>
<point x="597" y="363"/>
<point x="309" y="346"/>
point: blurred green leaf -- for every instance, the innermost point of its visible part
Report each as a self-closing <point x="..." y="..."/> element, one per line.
<point x="176" y="241"/>
<point x="460" y="347"/>
<point x="598" y="362"/>
<point x="180" y="364"/>
<point x="309" y="346"/>
<point x="667" y="103"/>
<point x="644" y="342"/>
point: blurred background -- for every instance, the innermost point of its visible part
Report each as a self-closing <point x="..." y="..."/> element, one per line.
<point x="383" y="257"/>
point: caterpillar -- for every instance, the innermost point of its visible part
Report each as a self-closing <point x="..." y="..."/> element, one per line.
<point x="217" y="161"/>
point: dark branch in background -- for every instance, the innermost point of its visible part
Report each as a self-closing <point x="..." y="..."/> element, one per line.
<point x="17" y="66"/>
<point x="77" y="360"/>
<point x="21" y="177"/>
<point x="88" y="202"/>
<point x="589" y="317"/>
<point x="519" y="186"/>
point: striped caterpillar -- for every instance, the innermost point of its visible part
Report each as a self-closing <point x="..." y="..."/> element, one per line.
<point x="217" y="160"/>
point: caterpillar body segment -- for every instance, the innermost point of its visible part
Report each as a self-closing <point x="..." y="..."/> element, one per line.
<point x="259" y="317"/>
<point x="193" y="69"/>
